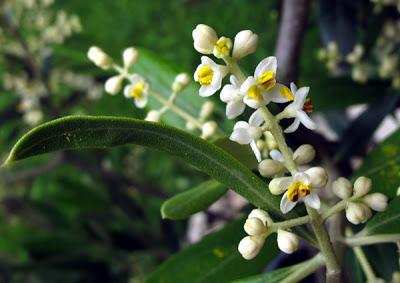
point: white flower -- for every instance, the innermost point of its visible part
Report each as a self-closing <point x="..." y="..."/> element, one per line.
<point x="222" y="47"/>
<point x="208" y="129"/>
<point x="138" y="90"/>
<point x="287" y="242"/>
<point x="262" y="215"/>
<point x="342" y="188"/>
<point x="245" y="43"/>
<point x="376" y="201"/>
<point x="301" y="186"/>
<point x="276" y="155"/>
<point x="181" y="81"/>
<point x="362" y="186"/>
<point x="250" y="246"/>
<point x="304" y="154"/>
<point x="248" y="133"/>
<point x="297" y="109"/>
<point x="153" y="116"/>
<point x="270" y="167"/>
<point x="130" y="56"/>
<point x="357" y="213"/>
<point x="231" y="95"/>
<point x="99" y="57"/>
<point x="204" y="38"/>
<point x="255" y="227"/>
<point x="113" y="85"/>
<point x="209" y="75"/>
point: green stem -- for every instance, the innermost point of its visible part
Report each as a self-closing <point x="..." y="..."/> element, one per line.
<point x="333" y="268"/>
<point x="290" y="223"/>
<point x="370" y="240"/>
<point x="234" y="69"/>
<point x="306" y="268"/>
<point x="335" y="209"/>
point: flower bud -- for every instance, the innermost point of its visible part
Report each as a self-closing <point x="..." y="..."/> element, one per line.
<point x="99" y="58"/>
<point x="287" y="242"/>
<point x="261" y="144"/>
<point x="190" y="126"/>
<point x="245" y="43"/>
<point x="342" y="188"/>
<point x="398" y="191"/>
<point x="153" y="116"/>
<point x="208" y="129"/>
<point x="318" y="177"/>
<point x="269" y="167"/>
<point x="362" y="186"/>
<point x="357" y="213"/>
<point x="254" y="227"/>
<point x="376" y="201"/>
<point x="276" y="186"/>
<point x="262" y="215"/>
<point x="130" y="56"/>
<point x="204" y="38"/>
<point x="304" y="154"/>
<point x="113" y="85"/>
<point x="206" y="110"/>
<point x="396" y="277"/>
<point x="181" y="81"/>
<point x="33" y="117"/>
<point x="250" y="246"/>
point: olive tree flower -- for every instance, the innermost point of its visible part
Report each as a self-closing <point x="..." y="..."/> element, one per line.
<point x="138" y="89"/>
<point x="231" y="95"/>
<point x="209" y="75"/>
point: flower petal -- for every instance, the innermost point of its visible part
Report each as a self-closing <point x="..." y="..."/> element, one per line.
<point x="234" y="109"/>
<point x="240" y="136"/>
<point x="234" y="81"/>
<point x="276" y="96"/>
<point x="208" y="90"/>
<point x="305" y="120"/>
<point x="302" y="177"/>
<point x="276" y="155"/>
<point x="141" y="103"/>
<point x="279" y="185"/>
<point x="247" y="84"/>
<point x="228" y="93"/>
<point x="293" y="127"/>
<point x="267" y="64"/>
<point x="127" y="90"/>
<point x="300" y="97"/>
<point x="256" y="151"/>
<point x="256" y="119"/>
<point x="312" y="200"/>
<point x="286" y="204"/>
<point x="241" y="124"/>
<point x="293" y="87"/>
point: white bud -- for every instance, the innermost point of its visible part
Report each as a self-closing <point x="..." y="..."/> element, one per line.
<point x="342" y="188"/>
<point x="181" y="81"/>
<point x="245" y="43"/>
<point x="269" y="167"/>
<point x="130" y="56"/>
<point x="357" y="213"/>
<point x="318" y="177"/>
<point x="250" y="246"/>
<point x="204" y="38"/>
<point x="33" y="117"/>
<point x="362" y="186"/>
<point x="190" y="126"/>
<point x="304" y="154"/>
<point x="262" y="215"/>
<point x="206" y="110"/>
<point x="277" y="185"/>
<point x="376" y="201"/>
<point x="208" y="129"/>
<point x="153" y="116"/>
<point x="398" y="191"/>
<point x="113" y="85"/>
<point x="396" y="277"/>
<point x="254" y="227"/>
<point x="287" y="242"/>
<point x="99" y="58"/>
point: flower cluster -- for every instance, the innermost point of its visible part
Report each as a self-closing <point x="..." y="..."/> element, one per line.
<point x="358" y="200"/>
<point x="259" y="226"/>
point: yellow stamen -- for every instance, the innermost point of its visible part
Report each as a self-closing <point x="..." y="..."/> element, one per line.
<point x="267" y="79"/>
<point x="254" y="93"/>
<point x="296" y="189"/>
<point x="138" y="90"/>
<point x="222" y="47"/>
<point x="205" y="75"/>
<point x="285" y="92"/>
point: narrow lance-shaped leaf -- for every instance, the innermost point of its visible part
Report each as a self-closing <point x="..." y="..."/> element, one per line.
<point x="187" y="203"/>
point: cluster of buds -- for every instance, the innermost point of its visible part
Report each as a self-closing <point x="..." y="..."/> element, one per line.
<point x="358" y="200"/>
<point x="258" y="226"/>
<point x="138" y="89"/>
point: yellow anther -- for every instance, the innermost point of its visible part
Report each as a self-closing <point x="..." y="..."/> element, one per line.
<point x="205" y="75"/>
<point x="138" y="90"/>
<point x="296" y="189"/>
<point x="308" y="106"/>
<point x="285" y="92"/>
<point x="254" y="93"/>
<point x="222" y="47"/>
<point x="267" y="79"/>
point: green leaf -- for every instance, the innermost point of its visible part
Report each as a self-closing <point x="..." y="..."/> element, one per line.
<point x="243" y="153"/>
<point x="187" y="203"/>
<point x="275" y="276"/>
<point x="215" y="259"/>
<point x="382" y="165"/>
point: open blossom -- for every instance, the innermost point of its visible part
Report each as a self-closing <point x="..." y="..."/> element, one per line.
<point x="138" y="90"/>
<point x="209" y="75"/>
<point x="298" y="108"/>
<point x="248" y="133"/>
<point x="231" y="95"/>
<point x="299" y="187"/>
<point x="262" y="88"/>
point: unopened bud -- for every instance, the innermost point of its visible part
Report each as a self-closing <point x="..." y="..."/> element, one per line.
<point x="209" y="129"/>
<point x="318" y="177"/>
<point x="396" y="277"/>
<point x="287" y="242"/>
<point x="261" y="144"/>
<point x="204" y="38"/>
<point x="130" y="56"/>
<point x="262" y="215"/>
<point x="357" y="213"/>
<point x="206" y="110"/>
<point x="376" y="201"/>
<point x="277" y="185"/>
<point x="99" y="58"/>
<point x="254" y="227"/>
<point x="113" y="85"/>
<point x="33" y="117"/>
<point x="181" y="81"/>
<point x="362" y="186"/>
<point x="190" y="126"/>
<point x="269" y="167"/>
<point x="250" y="246"/>
<point x="342" y="188"/>
<point x="304" y="154"/>
<point x="153" y="116"/>
<point x="245" y="43"/>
